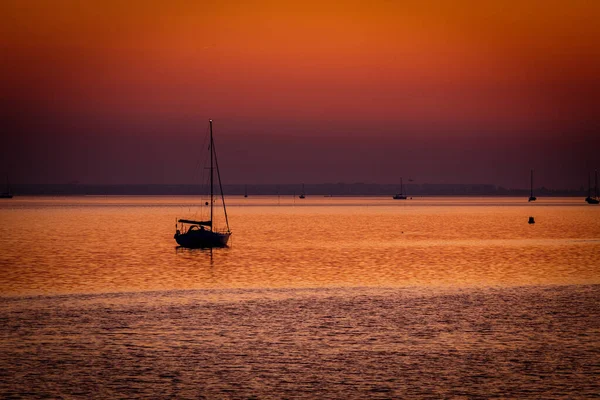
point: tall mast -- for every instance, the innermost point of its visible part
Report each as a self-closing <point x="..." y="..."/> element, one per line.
<point x="211" y="175"/>
<point x="589" y="185"/>
<point x="531" y="195"/>
<point x="596" y="184"/>
<point x="401" y="186"/>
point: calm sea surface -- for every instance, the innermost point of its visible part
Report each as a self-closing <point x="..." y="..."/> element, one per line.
<point x="316" y="298"/>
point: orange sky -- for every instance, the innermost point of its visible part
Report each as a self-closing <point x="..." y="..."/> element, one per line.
<point x="443" y="69"/>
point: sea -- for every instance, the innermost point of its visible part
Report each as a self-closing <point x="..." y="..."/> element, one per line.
<point x="316" y="298"/>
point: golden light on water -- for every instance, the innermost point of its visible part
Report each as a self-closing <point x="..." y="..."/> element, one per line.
<point x="100" y="244"/>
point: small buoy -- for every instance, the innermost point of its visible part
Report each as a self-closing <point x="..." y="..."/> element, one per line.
<point x="531" y="220"/>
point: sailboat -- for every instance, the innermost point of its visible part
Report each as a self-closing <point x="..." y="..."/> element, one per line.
<point x="589" y="198"/>
<point x="202" y="234"/>
<point x="6" y="195"/>
<point x="302" y="195"/>
<point x="401" y="195"/>
<point x="245" y="190"/>
<point x="531" y="196"/>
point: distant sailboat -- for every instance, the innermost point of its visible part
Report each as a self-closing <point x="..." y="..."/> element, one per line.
<point x="245" y="190"/>
<point x="302" y="195"/>
<point x="7" y="194"/>
<point x="531" y="196"/>
<point x="401" y="195"/>
<point x="193" y="234"/>
<point x="589" y="199"/>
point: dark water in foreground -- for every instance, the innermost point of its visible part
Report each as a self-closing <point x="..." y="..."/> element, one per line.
<point x="520" y="342"/>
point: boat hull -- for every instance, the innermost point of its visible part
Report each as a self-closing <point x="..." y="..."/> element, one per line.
<point x="197" y="239"/>
<point x="591" y="200"/>
<point x="399" y="197"/>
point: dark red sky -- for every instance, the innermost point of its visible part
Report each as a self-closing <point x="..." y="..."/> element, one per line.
<point x="445" y="91"/>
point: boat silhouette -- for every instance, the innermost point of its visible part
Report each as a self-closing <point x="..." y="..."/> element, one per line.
<point x="531" y="196"/>
<point x="7" y="194"/>
<point x="202" y="234"/>
<point x="589" y="199"/>
<point x="401" y="195"/>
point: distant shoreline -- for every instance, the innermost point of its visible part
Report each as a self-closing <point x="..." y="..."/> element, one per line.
<point x="333" y="190"/>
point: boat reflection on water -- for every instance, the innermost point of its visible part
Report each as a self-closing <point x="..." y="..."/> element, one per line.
<point x="196" y="253"/>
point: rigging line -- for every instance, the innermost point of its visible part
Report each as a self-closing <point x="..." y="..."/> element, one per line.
<point x="204" y="184"/>
<point x="220" y="184"/>
<point x="201" y="166"/>
<point x="201" y="159"/>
